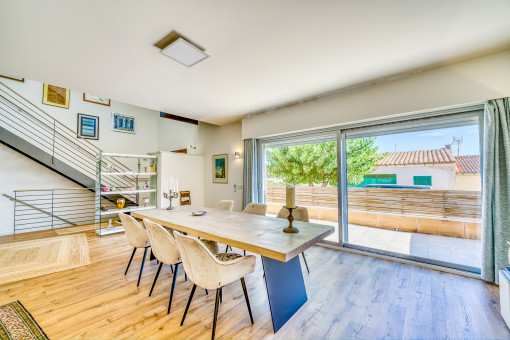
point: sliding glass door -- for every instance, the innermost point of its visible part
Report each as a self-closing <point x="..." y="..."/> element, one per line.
<point x="414" y="191"/>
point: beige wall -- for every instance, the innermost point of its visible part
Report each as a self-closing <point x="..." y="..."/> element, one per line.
<point x="468" y="182"/>
<point x="464" y="82"/>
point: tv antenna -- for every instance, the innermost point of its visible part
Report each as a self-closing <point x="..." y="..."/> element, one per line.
<point x="458" y="141"/>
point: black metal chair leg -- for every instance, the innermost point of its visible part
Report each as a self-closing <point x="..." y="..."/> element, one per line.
<point x="246" y="298"/>
<point x="206" y="292"/>
<point x="185" y="276"/>
<point x="226" y="249"/>
<point x="245" y="253"/>
<point x="221" y="295"/>
<point x="141" y="268"/>
<point x="156" y="278"/>
<point x="216" y="307"/>
<point x="306" y="264"/>
<point x="131" y="259"/>
<point x="189" y="302"/>
<point x="172" y="268"/>
<point x="173" y="286"/>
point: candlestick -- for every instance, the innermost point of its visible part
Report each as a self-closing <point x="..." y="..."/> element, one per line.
<point x="171" y="194"/>
<point x="290" y="229"/>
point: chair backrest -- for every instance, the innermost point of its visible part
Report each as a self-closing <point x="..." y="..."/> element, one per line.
<point x="256" y="209"/>
<point x="163" y="244"/>
<point x="136" y="234"/>
<point x="225" y="205"/>
<point x="199" y="263"/>
<point x="300" y="214"/>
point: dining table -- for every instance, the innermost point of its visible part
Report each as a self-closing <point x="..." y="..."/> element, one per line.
<point x="258" y="234"/>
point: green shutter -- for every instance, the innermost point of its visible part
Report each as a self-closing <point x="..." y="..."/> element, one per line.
<point x="422" y="180"/>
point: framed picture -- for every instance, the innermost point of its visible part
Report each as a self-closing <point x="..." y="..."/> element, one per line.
<point x="185" y="198"/>
<point x="123" y="123"/>
<point x="220" y="168"/>
<point x="88" y="126"/>
<point x="12" y="77"/>
<point x="95" y="99"/>
<point x="56" y="96"/>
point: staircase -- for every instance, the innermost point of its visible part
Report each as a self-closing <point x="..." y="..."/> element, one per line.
<point x="31" y="131"/>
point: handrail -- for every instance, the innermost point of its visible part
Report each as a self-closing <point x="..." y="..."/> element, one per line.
<point x="54" y="189"/>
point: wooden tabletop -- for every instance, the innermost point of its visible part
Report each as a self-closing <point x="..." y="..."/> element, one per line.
<point x="258" y="234"/>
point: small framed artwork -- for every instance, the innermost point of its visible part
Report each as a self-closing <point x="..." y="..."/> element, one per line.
<point x="220" y="168"/>
<point x="123" y="123"/>
<point x="88" y="126"/>
<point x="13" y="78"/>
<point x="185" y="198"/>
<point x="95" y="99"/>
<point x="56" y="96"/>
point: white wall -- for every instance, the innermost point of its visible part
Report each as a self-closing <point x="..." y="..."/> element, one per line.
<point x="443" y="177"/>
<point x="188" y="169"/>
<point x="468" y="182"/>
<point x="464" y="82"/>
<point x="220" y="140"/>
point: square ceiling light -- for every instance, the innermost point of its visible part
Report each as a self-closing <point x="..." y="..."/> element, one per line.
<point x="184" y="52"/>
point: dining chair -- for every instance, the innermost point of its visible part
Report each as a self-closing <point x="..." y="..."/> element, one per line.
<point x="256" y="209"/>
<point x="300" y="214"/>
<point x="211" y="271"/>
<point x="137" y="237"/>
<point x="225" y="205"/>
<point x="165" y="250"/>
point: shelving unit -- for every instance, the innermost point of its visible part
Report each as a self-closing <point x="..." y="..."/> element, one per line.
<point x="135" y="197"/>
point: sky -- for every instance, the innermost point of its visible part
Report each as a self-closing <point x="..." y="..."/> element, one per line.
<point x="432" y="139"/>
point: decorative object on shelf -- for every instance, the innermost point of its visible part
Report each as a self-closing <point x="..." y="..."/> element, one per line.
<point x="123" y="123"/>
<point x="120" y="203"/>
<point x="146" y="185"/>
<point x="20" y="79"/>
<point x="220" y="168"/>
<point x="88" y="126"/>
<point x="104" y="208"/>
<point x="290" y="229"/>
<point x="170" y="190"/>
<point x="96" y="99"/>
<point x="150" y="168"/>
<point x="105" y="189"/>
<point x="185" y="198"/>
<point x="110" y="167"/>
<point x="56" y="96"/>
<point x="198" y="213"/>
<point x="146" y="201"/>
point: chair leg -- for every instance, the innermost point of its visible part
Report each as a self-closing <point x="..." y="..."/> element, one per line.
<point x="206" y="292"/>
<point x="189" y="302"/>
<point x="216" y="307"/>
<point x="141" y="268"/>
<point x="173" y="286"/>
<point x="226" y="249"/>
<point x="246" y="298"/>
<point x="185" y="276"/>
<point x="306" y="264"/>
<point x="221" y="295"/>
<point x="156" y="278"/>
<point x="245" y="253"/>
<point x="172" y="268"/>
<point x="131" y="259"/>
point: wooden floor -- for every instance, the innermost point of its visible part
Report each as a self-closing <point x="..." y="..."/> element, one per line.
<point x="350" y="296"/>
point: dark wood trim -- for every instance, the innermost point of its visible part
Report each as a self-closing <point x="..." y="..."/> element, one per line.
<point x="178" y="118"/>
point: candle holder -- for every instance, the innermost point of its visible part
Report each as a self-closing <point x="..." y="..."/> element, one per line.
<point x="171" y="194"/>
<point x="290" y="229"/>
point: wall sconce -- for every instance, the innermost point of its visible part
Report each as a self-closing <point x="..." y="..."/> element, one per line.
<point x="237" y="155"/>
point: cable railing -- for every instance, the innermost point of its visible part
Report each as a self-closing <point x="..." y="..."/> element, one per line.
<point x="43" y="209"/>
<point x="30" y="123"/>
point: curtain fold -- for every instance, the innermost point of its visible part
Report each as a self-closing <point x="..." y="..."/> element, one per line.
<point x="496" y="188"/>
<point x="250" y="175"/>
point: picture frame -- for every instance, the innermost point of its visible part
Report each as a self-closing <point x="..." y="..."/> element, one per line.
<point x="123" y="123"/>
<point x="96" y="99"/>
<point x="56" y="96"/>
<point x="220" y="168"/>
<point x="88" y="126"/>
<point x="20" y="79"/>
<point x="185" y="197"/>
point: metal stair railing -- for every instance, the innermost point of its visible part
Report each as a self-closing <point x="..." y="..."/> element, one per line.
<point x="27" y="121"/>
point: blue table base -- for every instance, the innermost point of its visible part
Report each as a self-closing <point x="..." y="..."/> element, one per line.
<point x="285" y="289"/>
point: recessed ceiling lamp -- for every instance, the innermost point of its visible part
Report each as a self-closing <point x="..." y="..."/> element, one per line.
<point x="181" y="50"/>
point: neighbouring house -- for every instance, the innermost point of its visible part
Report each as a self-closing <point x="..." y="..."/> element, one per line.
<point x="437" y="168"/>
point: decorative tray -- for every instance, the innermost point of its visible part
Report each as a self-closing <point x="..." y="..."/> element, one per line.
<point x="199" y="213"/>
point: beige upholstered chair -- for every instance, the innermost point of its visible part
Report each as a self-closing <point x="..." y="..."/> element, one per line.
<point x="225" y="205"/>
<point x="165" y="250"/>
<point x="300" y="214"/>
<point x="255" y="209"/>
<point x="137" y="237"/>
<point x="211" y="271"/>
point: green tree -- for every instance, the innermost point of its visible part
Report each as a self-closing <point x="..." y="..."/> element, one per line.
<point x="317" y="163"/>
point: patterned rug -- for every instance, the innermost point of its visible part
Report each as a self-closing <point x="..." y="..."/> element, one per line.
<point x="17" y="323"/>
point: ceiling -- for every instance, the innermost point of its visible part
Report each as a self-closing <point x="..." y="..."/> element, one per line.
<point x="263" y="53"/>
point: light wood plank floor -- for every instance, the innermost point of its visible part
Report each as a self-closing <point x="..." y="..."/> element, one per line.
<point x="350" y="296"/>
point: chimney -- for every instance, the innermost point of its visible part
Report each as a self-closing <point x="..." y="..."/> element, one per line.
<point x="448" y="148"/>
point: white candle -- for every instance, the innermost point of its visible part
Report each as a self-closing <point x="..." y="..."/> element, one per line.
<point x="164" y="185"/>
<point x="176" y="185"/>
<point x="291" y="196"/>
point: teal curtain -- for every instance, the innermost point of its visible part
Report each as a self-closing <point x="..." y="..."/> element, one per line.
<point x="496" y="188"/>
<point x="250" y="173"/>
